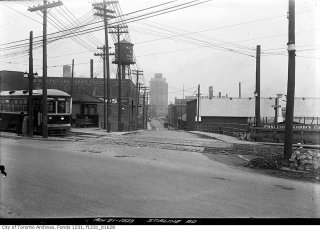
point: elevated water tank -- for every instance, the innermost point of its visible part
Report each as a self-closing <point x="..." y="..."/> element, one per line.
<point x="126" y="53"/>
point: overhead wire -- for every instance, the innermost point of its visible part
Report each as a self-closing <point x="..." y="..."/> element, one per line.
<point x="224" y="48"/>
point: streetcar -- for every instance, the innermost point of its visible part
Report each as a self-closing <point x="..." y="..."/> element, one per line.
<point x="15" y="102"/>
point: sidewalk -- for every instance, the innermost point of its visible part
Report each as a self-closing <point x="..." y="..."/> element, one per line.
<point x="234" y="140"/>
<point x="225" y="138"/>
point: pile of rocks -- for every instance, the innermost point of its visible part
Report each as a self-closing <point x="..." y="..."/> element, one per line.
<point x="305" y="161"/>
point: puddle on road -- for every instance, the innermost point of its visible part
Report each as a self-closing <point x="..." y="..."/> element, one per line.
<point x="284" y="187"/>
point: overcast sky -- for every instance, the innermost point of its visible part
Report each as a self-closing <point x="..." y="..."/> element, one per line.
<point x="213" y="43"/>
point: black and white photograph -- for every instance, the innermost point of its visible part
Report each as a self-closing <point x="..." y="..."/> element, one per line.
<point x="159" y="112"/>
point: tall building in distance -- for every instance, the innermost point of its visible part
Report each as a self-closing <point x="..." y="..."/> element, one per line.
<point x="158" y="96"/>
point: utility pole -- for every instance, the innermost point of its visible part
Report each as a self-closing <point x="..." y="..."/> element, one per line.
<point x="138" y="103"/>
<point x="30" y="75"/>
<point x="257" y="92"/>
<point x="44" y="8"/>
<point x="118" y="31"/>
<point x="72" y="73"/>
<point x="103" y="55"/>
<point x="147" y="102"/>
<point x="291" y="83"/>
<point x="144" y="107"/>
<point x="182" y="91"/>
<point x="137" y="72"/>
<point x="102" y="12"/>
<point x="198" y="104"/>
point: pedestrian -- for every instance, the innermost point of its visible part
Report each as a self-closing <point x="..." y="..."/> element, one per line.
<point x="20" y="121"/>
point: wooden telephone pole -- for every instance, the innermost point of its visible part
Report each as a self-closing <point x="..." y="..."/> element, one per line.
<point x="198" y="104"/>
<point x="102" y="11"/>
<point x="103" y="55"/>
<point x="144" y="107"/>
<point x="44" y="8"/>
<point x="30" y="76"/>
<point x="291" y="83"/>
<point x="257" y="92"/>
<point x="119" y="30"/>
<point x="138" y="73"/>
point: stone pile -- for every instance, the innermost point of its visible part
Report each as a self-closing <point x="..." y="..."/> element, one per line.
<point x="305" y="161"/>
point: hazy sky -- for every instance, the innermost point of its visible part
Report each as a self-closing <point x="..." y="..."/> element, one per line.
<point x="213" y="43"/>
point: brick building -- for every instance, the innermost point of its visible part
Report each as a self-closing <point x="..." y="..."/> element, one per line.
<point x="87" y="97"/>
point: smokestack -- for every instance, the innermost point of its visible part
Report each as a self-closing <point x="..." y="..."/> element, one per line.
<point x="219" y="94"/>
<point x="91" y="68"/>
<point x="210" y="92"/>
<point x="239" y="89"/>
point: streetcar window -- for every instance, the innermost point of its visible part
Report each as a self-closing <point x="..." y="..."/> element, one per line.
<point x="61" y="106"/>
<point x="51" y="107"/>
<point x="68" y="106"/>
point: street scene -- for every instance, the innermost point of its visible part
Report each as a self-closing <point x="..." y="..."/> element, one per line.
<point x="194" y="109"/>
<point x="160" y="173"/>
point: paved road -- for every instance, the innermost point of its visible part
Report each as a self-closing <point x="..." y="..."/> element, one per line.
<point x="98" y="178"/>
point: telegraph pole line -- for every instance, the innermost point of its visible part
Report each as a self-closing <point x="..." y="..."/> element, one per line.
<point x="30" y="75"/>
<point x="182" y="91"/>
<point x="139" y="87"/>
<point x="144" y="107"/>
<point x="291" y="83"/>
<point x="257" y="92"/>
<point x="102" y="12"/>
<point x="118" y="31"/>
<point x="44" y="8"/>
<point x="103" y="55"/>
<point x="147" y="102"/>
<point x="198" y="104"/>
<point x="138" y="73"/>
<point x="72" y="73"/>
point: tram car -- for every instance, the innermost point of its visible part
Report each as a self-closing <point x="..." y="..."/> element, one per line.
<point x="13" y="102"/>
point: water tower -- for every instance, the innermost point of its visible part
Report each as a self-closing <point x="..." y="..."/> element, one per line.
<point x="126" y="56"/>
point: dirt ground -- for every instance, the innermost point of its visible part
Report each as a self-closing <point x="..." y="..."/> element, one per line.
<point x="264" y="159"/>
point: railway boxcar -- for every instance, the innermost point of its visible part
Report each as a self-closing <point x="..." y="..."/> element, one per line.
<point x="13" y="102"/>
